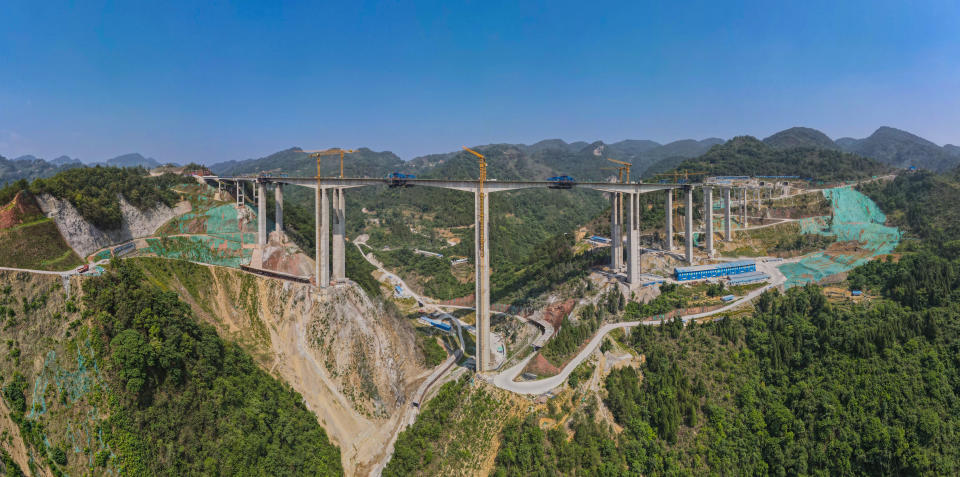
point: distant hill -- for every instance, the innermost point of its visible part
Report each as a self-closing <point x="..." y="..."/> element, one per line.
<point x="28" y="167"/>
<point x="66" y="160"/>
<point x="902" y="149"/>
<point x="133" y="159"/>
<point x="952" y="150"/>
<point x="746" y="155"/>
<point x="633" y="147"/>
<point x="800" y="137"/>
<point x="293" y="161"/>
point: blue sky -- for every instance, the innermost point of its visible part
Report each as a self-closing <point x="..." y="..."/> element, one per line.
<point x="211" y="81"/>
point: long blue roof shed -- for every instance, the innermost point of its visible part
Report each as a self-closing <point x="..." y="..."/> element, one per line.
<point x="715" y="270"/>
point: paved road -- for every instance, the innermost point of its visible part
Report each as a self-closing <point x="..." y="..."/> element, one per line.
<point x="66" y="273"/>
<point x="505" y="379"/>
<point x="411" y="412"/>
<point x="428" y="303"/>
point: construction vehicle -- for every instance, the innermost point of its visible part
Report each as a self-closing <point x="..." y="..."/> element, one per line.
<point x="330" y="152"/>
<point x="84" y="268"/>
<point x="399" y="179"/>
<point x="562" y="182"/>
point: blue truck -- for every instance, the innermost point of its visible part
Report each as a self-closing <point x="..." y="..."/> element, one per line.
<point x="561" y="182"/>
<point x="399" y="179"/>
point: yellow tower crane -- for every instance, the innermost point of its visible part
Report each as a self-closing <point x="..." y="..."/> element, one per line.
<point x="480" y="211"/>
<point x="618" y="169"/>
<point x="483" y="163"/>
<point x="626" y="166"/>
<point x="330" y="152"/>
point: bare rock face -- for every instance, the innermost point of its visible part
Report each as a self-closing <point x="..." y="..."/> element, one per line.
<point x="85" y="238"/>
<point x="355" y="363"/>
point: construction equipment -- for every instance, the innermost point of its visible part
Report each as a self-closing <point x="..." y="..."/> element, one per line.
<point x="399" y="179"/>
<point x="483" y="163"/>
<point x="330" y="152"/>
<point x="561" y="182"/>
<point x="483" y="178"/>
<point x="625" y="166"/>
<point x="619" y="169"/>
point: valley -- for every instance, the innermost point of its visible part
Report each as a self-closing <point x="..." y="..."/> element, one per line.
<point x="571" y="330"/>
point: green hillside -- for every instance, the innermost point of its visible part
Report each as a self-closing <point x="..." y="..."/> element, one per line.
<point x="96" y="191"/>
<point x="130" y="383"/>
<point x="28" y="239"/>
<point x="901" y="149"/>
<point x="746" y="155"/>
<point x="800" y="137"/>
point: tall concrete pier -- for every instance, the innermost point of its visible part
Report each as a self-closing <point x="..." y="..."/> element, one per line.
<point x="669" y="226"/>
<point x="688" y="228"/>
<point x="726" y="215"/>
<point x="323" y="237"/>
<point x="633" y="238"/>
<point x="262" y="213"/>
<point x="278" y="198"/>
<point x="744" y="208"/>
<point x="339" y="234"/>
<point x="708" y="218"/>
<point x="482" y="257"/>
<point x="616" y="234"/>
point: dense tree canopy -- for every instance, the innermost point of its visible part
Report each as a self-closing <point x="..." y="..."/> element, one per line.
<point x="185" y="402"/>
<point x="802" y="386"/>
<point x="96" y="191"/>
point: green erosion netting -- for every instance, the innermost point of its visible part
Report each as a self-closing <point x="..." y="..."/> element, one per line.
<point x="855" y="218"/>
<point x="204" y="249"/>
<point x="211" y="234"/>
<point x="84" y="432"/>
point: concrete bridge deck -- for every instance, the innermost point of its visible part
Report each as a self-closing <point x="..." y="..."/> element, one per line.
<point x="463" y="185"/>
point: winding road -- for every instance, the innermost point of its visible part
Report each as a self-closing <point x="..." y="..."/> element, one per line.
<point x="505" y="379"/>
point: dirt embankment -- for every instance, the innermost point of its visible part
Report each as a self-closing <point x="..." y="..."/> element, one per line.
<point x="354" y="363"/>
<point x="85" y="238"/>
<point x="554" y="314"/>
<point x="23" y="207"/>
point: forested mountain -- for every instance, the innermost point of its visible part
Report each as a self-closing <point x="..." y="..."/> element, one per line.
<point x="295" y="162"/>
<point x="28" y="167"/>
<point x="31" y="167"/>
<point x="802" y="386"/>
<point x="901" y="149"/>
<point x="800" y="137"/>
<point x="66" y="160"/>
<point x="133" y="159"/>
<point x="745" y="155"/>
<point x="508" y="161"/>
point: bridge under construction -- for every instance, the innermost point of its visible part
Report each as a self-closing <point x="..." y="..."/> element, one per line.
<point x="625" y="247"/>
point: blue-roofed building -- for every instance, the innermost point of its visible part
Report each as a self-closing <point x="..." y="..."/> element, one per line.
<point x="715" y="270"/>
<point x="598" y="240"/>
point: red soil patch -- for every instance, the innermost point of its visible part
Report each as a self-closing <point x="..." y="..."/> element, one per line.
<point x="541" y="367"/>
<point x="555" y="313"/>
<point x="22" y="206"/>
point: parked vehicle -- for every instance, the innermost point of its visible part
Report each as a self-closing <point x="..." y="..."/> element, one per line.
<point x="562" y="182"/>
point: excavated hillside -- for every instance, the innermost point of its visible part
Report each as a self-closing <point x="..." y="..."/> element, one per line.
<point x="28" y="239"/>
<point x="86" y="238"/>
<point x="44" y="352"/>
<point x="353" y="361"/>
